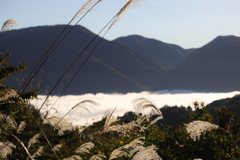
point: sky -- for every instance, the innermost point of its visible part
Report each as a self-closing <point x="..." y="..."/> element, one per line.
<point x="187" y="23"/>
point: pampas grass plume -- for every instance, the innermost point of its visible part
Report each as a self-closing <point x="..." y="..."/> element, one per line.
<point x="6" y="149"/>
<point x="98" y="157"/>
<point x="33" y="140"/>
<point x="21" y="127"/>
<point x="74" y="157"/>
<point x="38" y="152"/>
<point x="147" y="153"/>
<point x="9" y="24"/>
<point x="85" y="148"/>
<point x="197" y="128"/>
<point x="124" y="150"/>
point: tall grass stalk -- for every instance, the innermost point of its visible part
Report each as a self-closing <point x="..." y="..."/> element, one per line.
<point x="44" y="59"/>
<point x="51" y="49"/>
<point x="109" y="119"/>
<point x="24" y="147"/>
<point x="85" y="105"/>
<point x="113" y="21"/>
<point x="71" y="65"/>
<point x="122" y="11"/>
<point x="46" y="56"/>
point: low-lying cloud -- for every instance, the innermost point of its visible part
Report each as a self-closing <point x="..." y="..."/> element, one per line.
<point x="123" y="102"/>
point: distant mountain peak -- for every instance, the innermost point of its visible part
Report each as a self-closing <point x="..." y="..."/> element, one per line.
<point x="225" y="39"/>
<point x="169" y="55"/>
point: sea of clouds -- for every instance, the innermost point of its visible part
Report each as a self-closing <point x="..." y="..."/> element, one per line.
<point x="122" y="103"/>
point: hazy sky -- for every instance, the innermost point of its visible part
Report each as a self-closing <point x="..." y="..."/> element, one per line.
<point x="188" y="23"/>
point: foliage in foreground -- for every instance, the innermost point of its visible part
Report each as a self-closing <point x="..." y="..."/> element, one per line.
<point x="25" y="133"/>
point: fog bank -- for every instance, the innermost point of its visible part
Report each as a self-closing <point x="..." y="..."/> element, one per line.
<point x="123" y="102"/>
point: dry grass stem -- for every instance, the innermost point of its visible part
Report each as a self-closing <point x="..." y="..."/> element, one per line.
<point x="24" y="147"/>
<point x="109" y="120"/>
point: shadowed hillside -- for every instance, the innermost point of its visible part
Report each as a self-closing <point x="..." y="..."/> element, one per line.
<point x="113" y="67"/>
<point x="214" y="67"/>
<point x="127" y="64"/>
<point x="169" y="55"/>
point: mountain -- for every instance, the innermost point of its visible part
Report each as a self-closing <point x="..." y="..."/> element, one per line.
<point x="126" y="64"/>
<point x="168" y="55"/>
<point x="112" y="67"/>
<point x="213" y="67"/>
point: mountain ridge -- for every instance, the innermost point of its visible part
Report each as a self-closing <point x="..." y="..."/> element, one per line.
<point x="126" y="64"/>
<point x="73" y="45"/>
<point x="170" y="56"/>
